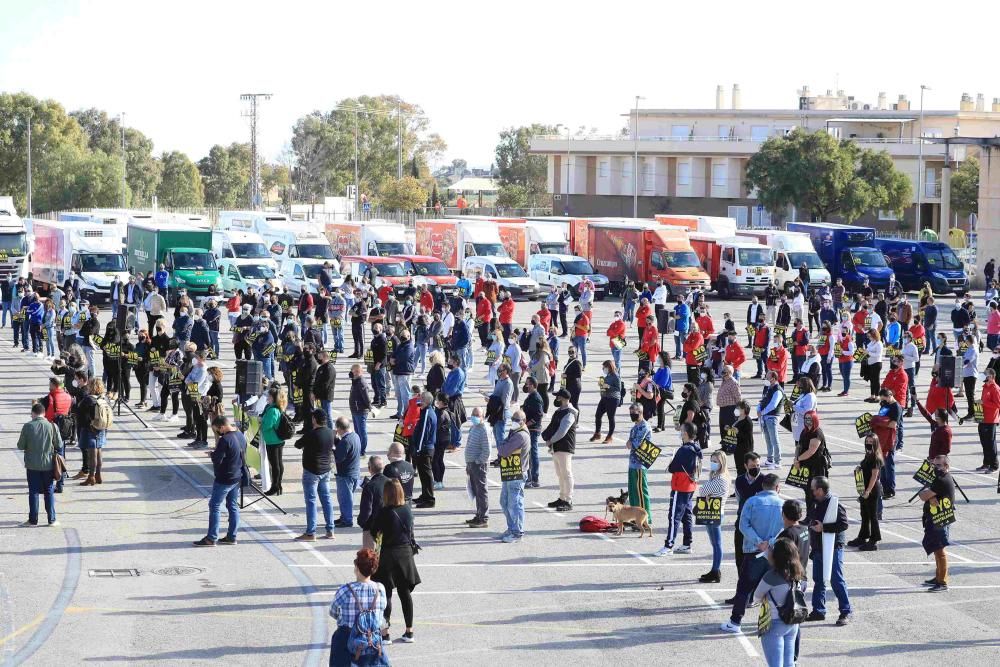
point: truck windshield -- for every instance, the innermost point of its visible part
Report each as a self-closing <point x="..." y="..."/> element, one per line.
<point x="675" y="259"/>
<point x="576" y="267"/>
<point x="510" y="271"/>
<point x="552" y="248"/>
<point x="390" y="270"/>
<point x="105" y="261"/>
<point x="755" y="257"/>
<point x="260" y="271"/>
<point x="315" y="251"/>
<point x="490" y="249"/>
<point x="942" y="258"/>
<point x="868" y="257"/>
<point x="312" y="271"/>
<point x="251" y="251"/>
<point x="427" y="268"/>
<point x="810" y="259"/>
<point x="194" y="261"/>
<point x="387" y="249"/>
<point x="13" y="245"/>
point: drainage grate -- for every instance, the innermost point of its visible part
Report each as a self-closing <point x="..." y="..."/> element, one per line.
<point x="118" y="572"/>
<point x="177" y="571"/>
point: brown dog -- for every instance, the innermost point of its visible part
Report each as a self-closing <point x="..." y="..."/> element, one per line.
<point x="626" y="513"/>
<point x="620" y="498"/>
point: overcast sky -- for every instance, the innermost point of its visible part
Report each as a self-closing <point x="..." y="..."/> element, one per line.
<point x="177" y="68"/>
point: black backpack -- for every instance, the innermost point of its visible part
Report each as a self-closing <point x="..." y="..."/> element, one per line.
<point x="285" y="428"/>
<point x="794" y="610"/>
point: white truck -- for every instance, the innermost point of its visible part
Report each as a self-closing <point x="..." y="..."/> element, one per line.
<point x="15" y="245"/>
<point x="284" y="238"/>
<point x="452" y="240"/>
<point x="232" y="244"/>
<point x="374" y="238"/>
<point x="116" y="220"/>
<point x="547" y="237"/>
<point x="91" y="250"/>
<point x="791" y="251"/>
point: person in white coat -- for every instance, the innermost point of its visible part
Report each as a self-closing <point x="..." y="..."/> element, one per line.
<point x="806" y="402"/>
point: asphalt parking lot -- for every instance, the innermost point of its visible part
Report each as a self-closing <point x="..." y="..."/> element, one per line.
<point x="557" y="597"/>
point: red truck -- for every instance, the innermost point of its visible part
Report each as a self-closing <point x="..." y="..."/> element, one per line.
<point x="643" y="250"/>
<point x="428" y="267"/>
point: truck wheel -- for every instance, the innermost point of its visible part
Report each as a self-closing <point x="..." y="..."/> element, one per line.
<point x="723" y="290"/>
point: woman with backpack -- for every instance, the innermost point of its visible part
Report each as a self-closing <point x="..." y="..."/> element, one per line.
<point x="94" y="419"/>
<point x="393" y="528"/>
<point x="785" y="608"/>
<point x="270" y="423"/>
<point x="357" y="609"/>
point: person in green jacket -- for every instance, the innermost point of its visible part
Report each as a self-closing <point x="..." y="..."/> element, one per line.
<point x="277" y="401"/>
<point x="39" y="441"/>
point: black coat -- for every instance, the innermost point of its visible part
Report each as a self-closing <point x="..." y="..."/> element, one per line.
<point x="324" y="382"/>
<point x="359" y="401"/>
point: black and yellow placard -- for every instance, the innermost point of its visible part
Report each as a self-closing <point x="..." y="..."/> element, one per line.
<point x="399" y="438"/>
<point x="677" y="418"/>
<point x="337" y="322"/>
<point x="491" y="356"/>
<point x="729" y="437"/>
<point x="838" y="349"/>
<point x="510" y="468"/>
<point x="192" y="389"/>
<point x="700" y="353"/>
<point x="758" y="352"/>
<point x="860" y="354"/>
<point x="977" y="411"/>
<point x="859" y="480"/>
<point x="618" y="342"/>
<point x="919" y="342"/>
<point x="790" y="401"/>
<point x="708" y="511"/>
<point x="751" y="330"/>
<point x="773" y="355"/>
<point x="926" y="473"/>
<point x="798" y="477"/>
<point x="133" y="358"/>
<point x="97" y="340"/>
<point x="642" y="354"/>
<point x="943" y="513"/>
<point x="780" y="330"/>
<point x="863" y="424"/>
<point x="647" y="453"/>
<point x="822" y="341"/>
<point x="962" y="347"/>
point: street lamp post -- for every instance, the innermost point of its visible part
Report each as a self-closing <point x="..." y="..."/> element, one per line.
<point x="29" y="162"/>
<point x="635" y="161"/>
<point x="124" y="188"/>
<point x="920" y="158"/>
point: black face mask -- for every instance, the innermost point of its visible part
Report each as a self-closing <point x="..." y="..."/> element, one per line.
<point x="684" y="394"/>
<point x="635" y="417"/>
<point x="753" y="472"/>
<point x="558" y="403"/>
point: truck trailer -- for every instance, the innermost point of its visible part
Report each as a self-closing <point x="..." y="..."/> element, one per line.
<point x="186" y="252"/>
<point x="452" y="240"/>
<point x="91" y="250"/>
<point x="373" y="238"/>
<point x="791" y="251"/>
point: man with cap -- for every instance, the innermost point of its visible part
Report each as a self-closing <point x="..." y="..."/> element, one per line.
<point x="560" y="436"/>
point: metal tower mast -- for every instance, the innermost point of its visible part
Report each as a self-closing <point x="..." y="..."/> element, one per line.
<point x="256" y="197"/>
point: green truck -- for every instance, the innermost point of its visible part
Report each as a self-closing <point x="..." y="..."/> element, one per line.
<point x="185" y="251"/>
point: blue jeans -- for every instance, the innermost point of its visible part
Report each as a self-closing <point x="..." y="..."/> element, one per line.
<point x="535" y="463"/>
<point x="338" y="338"/>
<point x="268" y="367"/>
<point x="679" y="342"/>
<point x="616" y="354"/>
<point x="214" y="337"/>
<point x="715" y="539"/>
<point x="836" y="582"/>
<point x="500" y="428"/>
<point x="361" y="428"/>
<point x="25" y="329"/>
<point x="378" y="385"/>
<point x="779" y="642"/>
<point x="328" y="409"/>
<point x="420" y="357"/>
<point x="311" y="485"/>
<point x="512" y="502"/>
<point x="456" y="434"/>
<point x="629" y="314"/>
<point x="580" y="345"/>
<point x="930" y="339"/>
<point x="462" y="354"/>
<point x="230" y="493"/>
<point x="40" y="482"/>
<point x="888" y="474"/>
<point x="845" y="373"/>
<point x="50" y="341"/>
<point x="769" y="425"/>
<point x="89" y="351"/>
<point x="6" y="311"/>
<point x="826" y="368"/>
<point x="402" y="393"/>
<point x="345" y="497"/>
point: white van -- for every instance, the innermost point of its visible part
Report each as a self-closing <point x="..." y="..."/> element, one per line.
<point x="550" y="270"/>
<point x="506" y="272"/>
<point x="232" y="244"/>
<point x="284" y="239"/>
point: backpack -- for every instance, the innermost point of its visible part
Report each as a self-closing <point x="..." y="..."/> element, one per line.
<point x="593" y="524"/>
<point x="103" y="416"/>
<point x="67" y="427"/>
<point x="285" y="428"/>
<point x="366" y="633"/>
<point x="794" y="610"/>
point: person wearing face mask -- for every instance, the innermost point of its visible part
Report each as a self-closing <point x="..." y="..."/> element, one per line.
<point x="616" y="338"/>
<point x="572" y="378"/>
<point x="936" y="538"/>
<point x="684" y="469"/>
<point x="716" y="486"/>
<point x="970" y="370"/>
<point x="533" y="415"/>
<point x="884" y="426"/>
<point x="988" y="427"/>
<point x="560" y="436"/>
<point x="494" y="355"/>
<point x="610" y="391"/>
<point x="959" y="319"/>
<point x="825" y="354"/>
<point x="477" y="461"/>
<point x="512" y="492"/>
<point x="454" y="386"/>
<point x="811" y="451"/>
<point x="638" y="486"/>
<point x="871" y="466"/>
<point x="767" y="413"/>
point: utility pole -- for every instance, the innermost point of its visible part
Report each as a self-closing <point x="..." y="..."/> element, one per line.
<point x="920" y="158"/>
<point x="124" y="189"/>
<point x="399" y="138"/>
<point x="357" y="194"/>
<point x="29" y="163"/>
<point x="635" y="164"/>
<point x="252" y="114"/>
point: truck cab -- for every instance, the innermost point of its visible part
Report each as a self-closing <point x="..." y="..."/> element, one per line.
<point x="14" y="243"/>
<point x="378" y="270"/>
<point x="917" y="262"/>
<point x="791" y="251"/>
<point x="506" y="272"/>
<point x="237" y="245"/>
<point x="736" y="265"/>
<point x="848" y="252"/>
<point x="241" y="274"/>
<point x="193" y="269"/>
<point x="431" y="269"/>
<point x="547" y="238"/>
<point x="548" y="270"/>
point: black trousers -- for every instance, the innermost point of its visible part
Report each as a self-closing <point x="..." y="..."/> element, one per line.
<point x="200" y="422"/>
<point x="276" y="464"/>
<point x="562" y="321"/>
<point x="242" y="350"/>
<point x="404" y="599"/>
<point x="142" y="375"/>
<point x="608" y="405"/>
<point x="869" y="516"/>
<point x="874" y="381"/>
<point x="188" y="406"/>
<point x="423" y="462"/>
<point x="163" y="399"/>
<point x="359" y="340"/>
<point x="969" y="384"/>
<point x="988" y="441"/>
<point x="437" y="464"/>
<point x="543" y="391"/>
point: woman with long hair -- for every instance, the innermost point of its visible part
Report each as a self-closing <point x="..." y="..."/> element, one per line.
<point x="665" y="384"/>
<point x="871" y="465"/>
<point x="538" y="368"/>
<point x="811" y="453"/>
<point x="92" y="439"/>
<point x="277" y="402"/>
<point x="349" y="602"/>
<point x="716" y="487"/>
<point x="393" y="529"/>
<point x="873" y="367"/>
<point x="140" y="365"/>
<point x="778" y="641"/>
<point x="436" y="374"/>
<point x="610" y="390"/>
<point x="572" y="377"/>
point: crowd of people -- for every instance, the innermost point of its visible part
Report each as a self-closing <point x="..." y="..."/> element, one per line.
<point x="419" y="350"/>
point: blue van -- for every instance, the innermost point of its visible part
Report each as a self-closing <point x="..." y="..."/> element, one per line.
<point x="917" y="262"/>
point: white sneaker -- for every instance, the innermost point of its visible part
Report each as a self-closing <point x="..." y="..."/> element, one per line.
<point x="664" y="551"/>
<point x="729" y="627"/>
<point x="682" y="549"/>
<point x="173" y="418"/>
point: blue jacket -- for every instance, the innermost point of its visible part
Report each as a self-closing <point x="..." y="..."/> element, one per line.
<point x="454" y="383"/>
<point x="227" y="458"/>
<point x="402" y="357"/>
<point x="35" y="312"/>
<point x="683" y="317"/>
<point x="464" y="285"/>
<point x="161" y="278"/>
<point x="687" y="459"/>
<point x="347" y="455"/>
<point x="761" y="520"/>
<point x="636" y="435"/>
<point x="663" y="379"/>
<point x="425" y="434"/>
<point x="182" y="328"/>
<point x="260" y="345"/>
<point x="200" y="335"/>
<point x="459" y="334"/>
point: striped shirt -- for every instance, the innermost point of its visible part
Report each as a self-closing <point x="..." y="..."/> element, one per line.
<point x="714" y="487"/>
<point x="345" y="609"/>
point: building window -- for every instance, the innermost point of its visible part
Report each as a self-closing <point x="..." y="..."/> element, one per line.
<point x="887" y="215"/>
<point x="680" y="132"/>
<point x="603" y="169"/>
<point x="739" y="214"/>
<point x="931" y="188"/>
<point x="835" y="132"/>
<point x="627" y="169"/>
<point x="724" y="132"/>
<point x="683" y="173"/>
<point x="759" y="132"/>
<point x="719" y="175"/>
<point x="647" y="176"/>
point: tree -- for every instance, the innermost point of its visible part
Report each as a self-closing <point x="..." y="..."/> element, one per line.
<point x="226" y="175"/>
<point x="515" y="165"/>
<point x="402" y="194"/>
<point x="825" y="177"/>
<point x="71" y="176"/>
<point x="181" y="183"/>
<point x="512" y="196"/>
<point x="965" y="187"/>
<point x="434" y="195"/>
<point x="458" y="167"/>
<point x="142" y="169"/>
<point x="414" y="169"/>
<point x="274" y="177"/>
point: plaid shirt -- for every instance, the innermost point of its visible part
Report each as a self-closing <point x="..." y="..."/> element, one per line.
<point x="345" y="610"/>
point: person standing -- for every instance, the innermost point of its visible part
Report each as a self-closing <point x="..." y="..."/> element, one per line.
<point x="512" y="491"/>
<point x="811" y="452"/>
<point x="988" y="427"/>
<point x="422" y="443"/>
<point x="560" y="436"/>
<point x="941" y="490"/>
<point x="324" y="382"/>
<point x="360" y="404"/>
<point x="717" y="487"/>
<point x="616" y="338"/>
<point x="397" y="569"/>
<point x="349" y="603"/>
<point x="747" y="485"/>
<point x="372" y="489"/>
<point x="317" y="454"/>
<point x="379" y="362"/>
<point x="41" y="442"/>
<point x="684" y="470"/>
<point x="638" y="486"/>
<point x="870" y="467"/>
<point x="610" y="391"/>
<point x="277" y="402"/>
<point x="533" y="415"/>
<point x="767" y="414"/>
<point x="827" y="516"/>
<point x="477" y="461"/>
<point x="786" y="573"/>
<point x="347" y="457"/>
<point x="884" y="426"/>
<point x="401" y="469"/>
<point x="227" y="463"/>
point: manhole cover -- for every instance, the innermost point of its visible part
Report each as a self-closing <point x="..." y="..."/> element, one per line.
<point x="177" y="571"/>
<point x="116" y="572"/>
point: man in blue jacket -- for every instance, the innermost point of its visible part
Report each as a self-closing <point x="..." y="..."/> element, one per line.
<point x="683" y="315"/>
<point x="422" y="444"/>
<point x="347" y="456"/>
<point x="402" y="368"/>
<point x="263" y="348"/>
<point x="760" y="523"/>
<point x="162" y="279"/>
<point x="227" y="461"/>
<point x="460" y="337"/>
<point x="453" y="388"/>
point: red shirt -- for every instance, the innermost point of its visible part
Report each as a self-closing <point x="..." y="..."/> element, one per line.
<point x="384" y="292"/>
<point x="939" y="398"/>
<point x="581" y="325"/>
<point x="991" y="403"/>
<point x="427" y="301"/>
<point x="918" y="332"/>
<point x="616" y="330"/>
<point x="544" y="318"/>
<point x="480" y="281"/>
<point x="692" y="343"/>
<point x="641" y="314"/>
<point x="823" y="345"/>
<point x="735" y="356"/>
<point x="845" y="346"/>
<point x="777" y="360"/>
<point x="897" y="381"/>
<point x="506" y="311"/>
<point x="801" y="340"/>
<point x="705" y="324"/>
<point x="859" y="320"/>
<point x="59" y="404"/>
<point x="761" y="338"/>
<point x="484" y="311"/>
<point x="650" y="343"/>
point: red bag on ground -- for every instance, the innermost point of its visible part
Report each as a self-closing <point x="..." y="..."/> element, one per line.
<point x="593" y="524"/>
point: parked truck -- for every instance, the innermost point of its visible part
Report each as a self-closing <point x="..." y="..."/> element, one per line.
<point x="548" y="237"/>
<point x="917" y="262"/>
<point x="452" y="240"/>
<point x="185" y="251"/>
<point x="735" y="265"/>
<point x="791" y="251"/>
<point x="14" y="241"/>
<point x="284" y="238"/>
<point x="700" y="223"/>
<point x="373" y="238"/>
<point x="116" y="220"/>
<point x="233" y="244"/>
<point x="91" y="250"/>
<point x="848" y="252"/>
<point x="630" y="249"/>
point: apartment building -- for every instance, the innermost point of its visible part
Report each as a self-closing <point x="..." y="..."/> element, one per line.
<point x="694" y="160"/>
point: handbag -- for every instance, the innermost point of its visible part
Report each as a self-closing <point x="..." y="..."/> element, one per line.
<point x="786" y="422"/>
<point x="58" y="461"/>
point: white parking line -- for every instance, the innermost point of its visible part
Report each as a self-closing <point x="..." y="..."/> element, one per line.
<point x="744" y="642"/>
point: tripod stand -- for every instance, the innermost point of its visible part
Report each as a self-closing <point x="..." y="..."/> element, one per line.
<point x="123" y="326"/>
